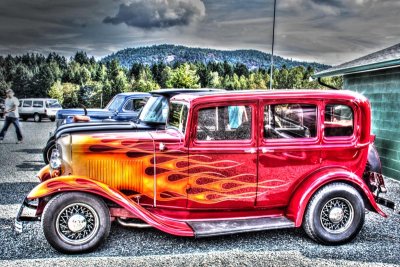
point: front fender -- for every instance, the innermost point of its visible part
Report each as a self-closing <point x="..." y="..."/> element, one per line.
<point x="44" y="174"/>
<point x="300" y="198"/>
<point x="73" y="183"/>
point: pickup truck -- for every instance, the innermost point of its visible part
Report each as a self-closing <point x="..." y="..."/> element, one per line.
<point x="122" y="107"/>
<point x="152" y="115"/>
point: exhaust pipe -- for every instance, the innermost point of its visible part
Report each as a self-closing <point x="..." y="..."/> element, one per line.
<point x="132" y="224"/>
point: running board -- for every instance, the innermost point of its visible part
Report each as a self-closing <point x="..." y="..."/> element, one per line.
<point x="226" y="227"/>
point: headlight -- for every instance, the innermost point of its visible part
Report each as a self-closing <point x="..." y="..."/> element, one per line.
<point x="55" y="160"/>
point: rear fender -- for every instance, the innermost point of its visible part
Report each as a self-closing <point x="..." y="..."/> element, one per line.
<point x="72" y="183"/>
<point x="302" y="195"/>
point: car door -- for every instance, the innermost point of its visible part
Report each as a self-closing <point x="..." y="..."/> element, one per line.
<point x="130" y="109"/>
<point x="289" y="150"/>
<point x="223" y="156"/>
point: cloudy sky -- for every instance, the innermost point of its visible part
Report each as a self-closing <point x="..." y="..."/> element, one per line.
<point x="326" y="31"/>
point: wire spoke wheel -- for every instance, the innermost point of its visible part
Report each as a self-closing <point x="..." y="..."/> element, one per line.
<point x="77" y="223"/>
<point x="337" y="215"/>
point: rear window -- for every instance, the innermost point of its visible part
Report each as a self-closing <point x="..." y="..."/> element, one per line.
<point x="288" y="121"/>
<point x="38" y="104"/>
<point x="27" y="103"/>
<point x="338" y="120"/>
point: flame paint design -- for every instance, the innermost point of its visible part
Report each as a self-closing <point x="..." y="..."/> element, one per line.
<point x="127" y="163"/>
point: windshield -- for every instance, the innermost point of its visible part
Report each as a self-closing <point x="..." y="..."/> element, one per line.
<point x="53" y="104"/>
<point x="115" y="103"/>
<point x="155" y="110"/>
<point x="177" y="117"/>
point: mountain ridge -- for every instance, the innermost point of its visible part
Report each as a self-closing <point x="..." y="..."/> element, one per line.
<point x="171" y="54"/>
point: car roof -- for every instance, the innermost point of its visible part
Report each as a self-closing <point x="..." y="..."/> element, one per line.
<point x="271" y="94"/>
<point x="176" y="91"/>
<point x="134" y="94"/>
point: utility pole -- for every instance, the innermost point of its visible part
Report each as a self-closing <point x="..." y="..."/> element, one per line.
<point x="272" y="52"/>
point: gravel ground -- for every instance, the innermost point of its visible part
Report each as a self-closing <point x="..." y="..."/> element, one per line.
<point x="378" y="244"/>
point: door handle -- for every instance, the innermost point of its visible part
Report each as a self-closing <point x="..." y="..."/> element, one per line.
<point x="303" y="156"/>
<point x="265" y="150"/>
<point x="251" y="151"/>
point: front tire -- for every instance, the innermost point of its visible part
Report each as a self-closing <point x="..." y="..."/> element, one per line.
<point x="51" y="144"/>
<point x="76" y="222"/>
<point x="335" y="214"/>
<point x="37" y="117"/>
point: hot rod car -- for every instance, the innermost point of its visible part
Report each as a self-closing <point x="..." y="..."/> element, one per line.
<point x="225" y="163"/>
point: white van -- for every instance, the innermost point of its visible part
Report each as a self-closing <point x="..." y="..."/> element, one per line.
<point x="38" y="108"/>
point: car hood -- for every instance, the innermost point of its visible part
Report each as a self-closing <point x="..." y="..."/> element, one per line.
<point x="92" y="112"/>
<point x="106" y="126"/>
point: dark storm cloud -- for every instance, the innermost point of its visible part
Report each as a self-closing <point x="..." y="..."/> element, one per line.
<point x="330" y="32"/>
<point x="158" y="13"/>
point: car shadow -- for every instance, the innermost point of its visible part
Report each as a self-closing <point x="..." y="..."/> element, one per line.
<point x="29" y="150"/>
<point x="30" y="165"/>
<point x="14" y="193"/>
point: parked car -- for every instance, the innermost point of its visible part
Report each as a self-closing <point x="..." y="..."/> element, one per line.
<point x="38" y="108"/>
<point x="152" y="115"/>
<point x="122" y="107"/>
<point x="226" y="163"/>
<point x="2" y="107"/>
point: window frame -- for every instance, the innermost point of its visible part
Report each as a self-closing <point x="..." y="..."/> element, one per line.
<point x="341" y="139"/>
<point x="291" y="141"/>
<point x="253" y="104"/>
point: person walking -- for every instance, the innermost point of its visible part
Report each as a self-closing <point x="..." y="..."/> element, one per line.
<point x="11" y="116"/>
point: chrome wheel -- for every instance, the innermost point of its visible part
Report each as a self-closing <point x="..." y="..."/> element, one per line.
<point x="337" y="215"/>
<point x="77" y="223"/>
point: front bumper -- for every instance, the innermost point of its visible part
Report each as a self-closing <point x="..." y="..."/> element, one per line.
<point x="22" y="216"/>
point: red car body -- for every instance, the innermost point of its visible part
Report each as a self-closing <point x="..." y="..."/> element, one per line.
<point x="187" y="180"/>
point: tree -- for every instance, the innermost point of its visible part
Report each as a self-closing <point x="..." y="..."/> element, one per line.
<point x="66" y="93"/>
<point x="22" y="81"/>
<point x="183" y="77"/>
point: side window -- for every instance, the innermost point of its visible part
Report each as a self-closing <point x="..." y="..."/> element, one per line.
<point x="287" y="121"/>
<point x="27" y="104"/>
<point x="224" y="123"/>
<point x="37" y="104"/>
<point x="338" y="120"/>
<point x="178" y="116"/>
<point x="134" y="105"/>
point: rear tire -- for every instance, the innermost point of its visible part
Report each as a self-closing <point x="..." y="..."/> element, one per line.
<point x="76" y="222"/>
<point x="24" y="118"/>
<point x="335" y="214"/>
<point x="51" y="144"/>
<point x="37" y="117"/>
<point x="53" y="119"/>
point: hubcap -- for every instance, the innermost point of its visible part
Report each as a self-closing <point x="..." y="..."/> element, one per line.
<point x="337" y="215"/>
<point x="77" y="223"/>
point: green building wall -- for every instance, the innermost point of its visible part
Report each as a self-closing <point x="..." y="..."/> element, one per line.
<point x="382" y="88"/>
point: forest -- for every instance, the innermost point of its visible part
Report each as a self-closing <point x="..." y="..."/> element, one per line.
<point x="83" y="80"/>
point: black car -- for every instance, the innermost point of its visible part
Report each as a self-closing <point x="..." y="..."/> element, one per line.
<point x="152" y="117"/>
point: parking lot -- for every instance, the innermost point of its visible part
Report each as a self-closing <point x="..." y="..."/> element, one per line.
<point x="378" y="244"/>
